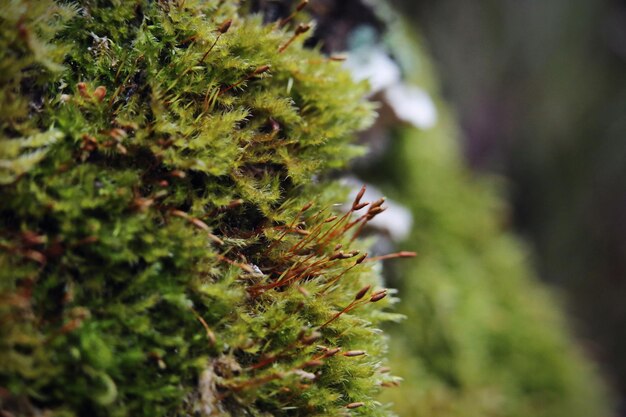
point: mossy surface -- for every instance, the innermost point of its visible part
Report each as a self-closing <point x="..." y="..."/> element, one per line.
<point x="158" y="254"/>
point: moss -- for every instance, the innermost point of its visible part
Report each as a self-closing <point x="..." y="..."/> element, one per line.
<point x="157" y="252"/>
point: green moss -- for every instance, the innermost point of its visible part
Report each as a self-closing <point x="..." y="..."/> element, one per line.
<point x="152" y="165"/>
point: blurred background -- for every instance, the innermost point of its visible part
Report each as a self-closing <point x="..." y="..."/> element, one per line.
<point x="539" y="88"/>
<point x="501" y="144"/>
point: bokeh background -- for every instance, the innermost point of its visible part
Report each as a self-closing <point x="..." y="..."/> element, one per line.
<point x="539" y="88"/>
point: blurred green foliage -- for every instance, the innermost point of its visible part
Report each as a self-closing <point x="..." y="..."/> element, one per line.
<point x="540" y="90"/>
<point x="483" y="337"/>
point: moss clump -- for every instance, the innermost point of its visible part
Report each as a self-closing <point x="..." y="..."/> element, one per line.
<point x="157" y="252"/>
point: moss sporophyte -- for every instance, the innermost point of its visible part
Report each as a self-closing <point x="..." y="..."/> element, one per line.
<point x="160" y="254"/>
